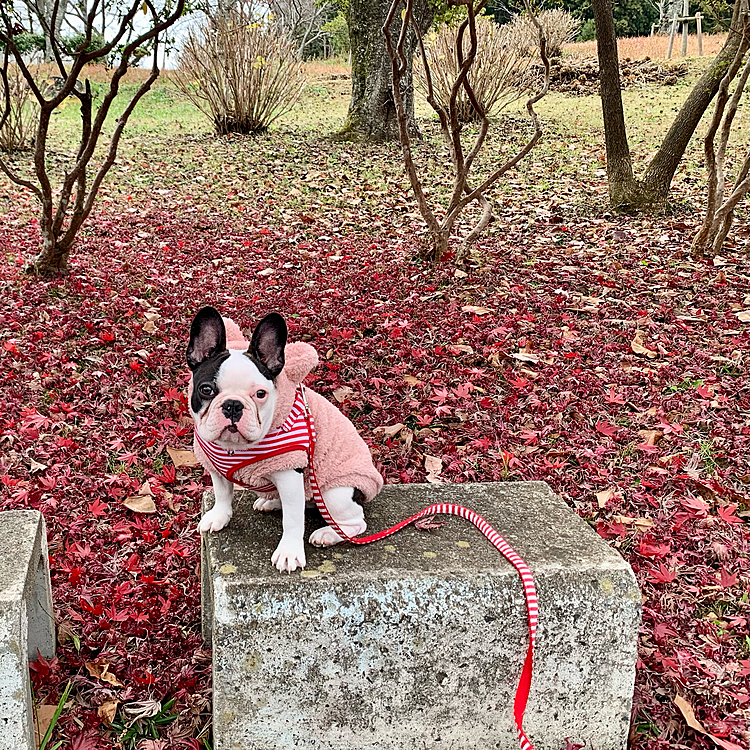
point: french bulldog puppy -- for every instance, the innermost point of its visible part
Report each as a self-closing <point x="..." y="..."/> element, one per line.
<point x="246" y="399"/>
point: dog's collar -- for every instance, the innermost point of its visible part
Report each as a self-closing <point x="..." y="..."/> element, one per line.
<point x="297" y="433"/>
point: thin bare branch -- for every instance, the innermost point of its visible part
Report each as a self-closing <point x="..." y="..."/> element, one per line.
<point x="462" y="193"/>
<point x="6" y="89"/>
<point x="717" y="215"/>
<point x="10" y="46"/>
<point x="398" y="62"/>
<point x="498" y="173"/>
<point x="81" y="215"/>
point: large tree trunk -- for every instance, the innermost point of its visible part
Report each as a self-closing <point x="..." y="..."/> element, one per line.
<point x="658" y="177"/>
<point x="651" y="193"/>
<point x="619" y="164"/>
<point x="372" y="113"/>
<point x="671" y="8"/>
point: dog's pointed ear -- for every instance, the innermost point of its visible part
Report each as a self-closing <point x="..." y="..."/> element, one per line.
<point x="208" y="337"/>
<point x="267" y="345"/>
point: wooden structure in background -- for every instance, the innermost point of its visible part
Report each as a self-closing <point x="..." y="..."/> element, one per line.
<point x="684" y="21"/>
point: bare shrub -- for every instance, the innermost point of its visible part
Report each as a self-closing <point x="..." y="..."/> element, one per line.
<point x="16" y="134"/>
<point x="497" y="77"/>
<point x="720" y="209"/>
<point x="240" y="72"/>
<point x="560" y="27"/>
<point x="441" y="220"/>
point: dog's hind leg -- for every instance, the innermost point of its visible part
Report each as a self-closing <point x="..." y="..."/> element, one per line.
<point x="347" y="514"/>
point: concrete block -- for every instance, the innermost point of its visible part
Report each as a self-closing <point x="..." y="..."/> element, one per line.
<point x="26" y="620"/>
<point x="416" y="642"/>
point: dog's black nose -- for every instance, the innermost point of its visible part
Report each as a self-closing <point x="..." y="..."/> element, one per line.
<point x="232" y="409"/>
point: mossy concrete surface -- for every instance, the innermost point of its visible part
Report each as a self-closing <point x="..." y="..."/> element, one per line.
<point x="26" y="621"/>
<point x="417" y="641"/>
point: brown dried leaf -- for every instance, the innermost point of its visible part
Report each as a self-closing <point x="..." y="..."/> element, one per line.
<point x="638" y="347"/>
<point x="343" y="393"/>
<point x="35" y="466"/>
<point x="140" y="503"/>
<point x="603" y="496"/>
<point x="143" y="502"/>
<point x="687" y="711"/>
<point x="411" y="380"/>
<point x="100" y="670"/>
<point x="108" y="711"/>
<point x="407" y="438"/>
<point x="526" y="357"/>
<point x="65" y="631"/>
<point x="650" y="437"/>
<point x="496" y="360"/>
<point x="476" y="310"/>
<point x="182" y="457"/>
<point x="743" y="316"/>
<point x="142" y="709"/>
<point x="388" y="430"/>
<point x="433" y="466"/>
<point x="641" y="524"/>
<point x="42" y="718"/>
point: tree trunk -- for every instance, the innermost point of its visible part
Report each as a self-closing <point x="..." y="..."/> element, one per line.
<point x="672" y="8"/>
<point x="52" y="259"/>
<point x="372" y="113"/>
<point x="619" y="164"/>
<point x="651" y="193"/>
<point x="47" y="10"/>
<point x="658" y="177"/>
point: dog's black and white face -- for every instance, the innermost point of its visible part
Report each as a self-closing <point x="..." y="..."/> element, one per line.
<point x="233" y="395"/>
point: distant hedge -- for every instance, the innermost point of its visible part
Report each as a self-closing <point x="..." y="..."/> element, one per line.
<point x="632" y="17"/>
<point x="28" y="42"/>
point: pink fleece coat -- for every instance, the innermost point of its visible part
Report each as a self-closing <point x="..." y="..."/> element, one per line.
<point x="341" y="459"/>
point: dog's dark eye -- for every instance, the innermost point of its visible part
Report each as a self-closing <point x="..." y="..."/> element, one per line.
<point x="260" y="394"/>
<point x="206" y="390"/>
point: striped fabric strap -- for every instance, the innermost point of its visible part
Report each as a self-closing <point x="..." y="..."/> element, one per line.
<point x="527" y="580"/>
<point x="293" y="435"/>
<point x="298" y="433"/>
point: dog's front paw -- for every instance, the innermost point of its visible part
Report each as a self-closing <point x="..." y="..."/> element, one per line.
<point x="267" y="503"/>
<point x="327" y="537"/>
<point x="289" y="555"/>
<point x="214" y="520"/>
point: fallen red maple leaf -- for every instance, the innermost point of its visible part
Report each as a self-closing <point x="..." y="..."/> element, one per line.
<point x="726" y="513"/>
<point x="652" y="549"/>
<point x="98" y="508"/>
<point x="85" y="741"/>
<point x="610" y="430"/>
<point x="662" y="575"/>
<point x="726" y="579"/>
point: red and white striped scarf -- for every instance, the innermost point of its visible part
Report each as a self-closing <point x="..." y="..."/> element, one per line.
<point x="295" y="434"/>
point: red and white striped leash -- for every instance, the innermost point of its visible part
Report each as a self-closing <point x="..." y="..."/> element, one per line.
<point x="527" y="580"/>
<point x="298" y="433"/>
